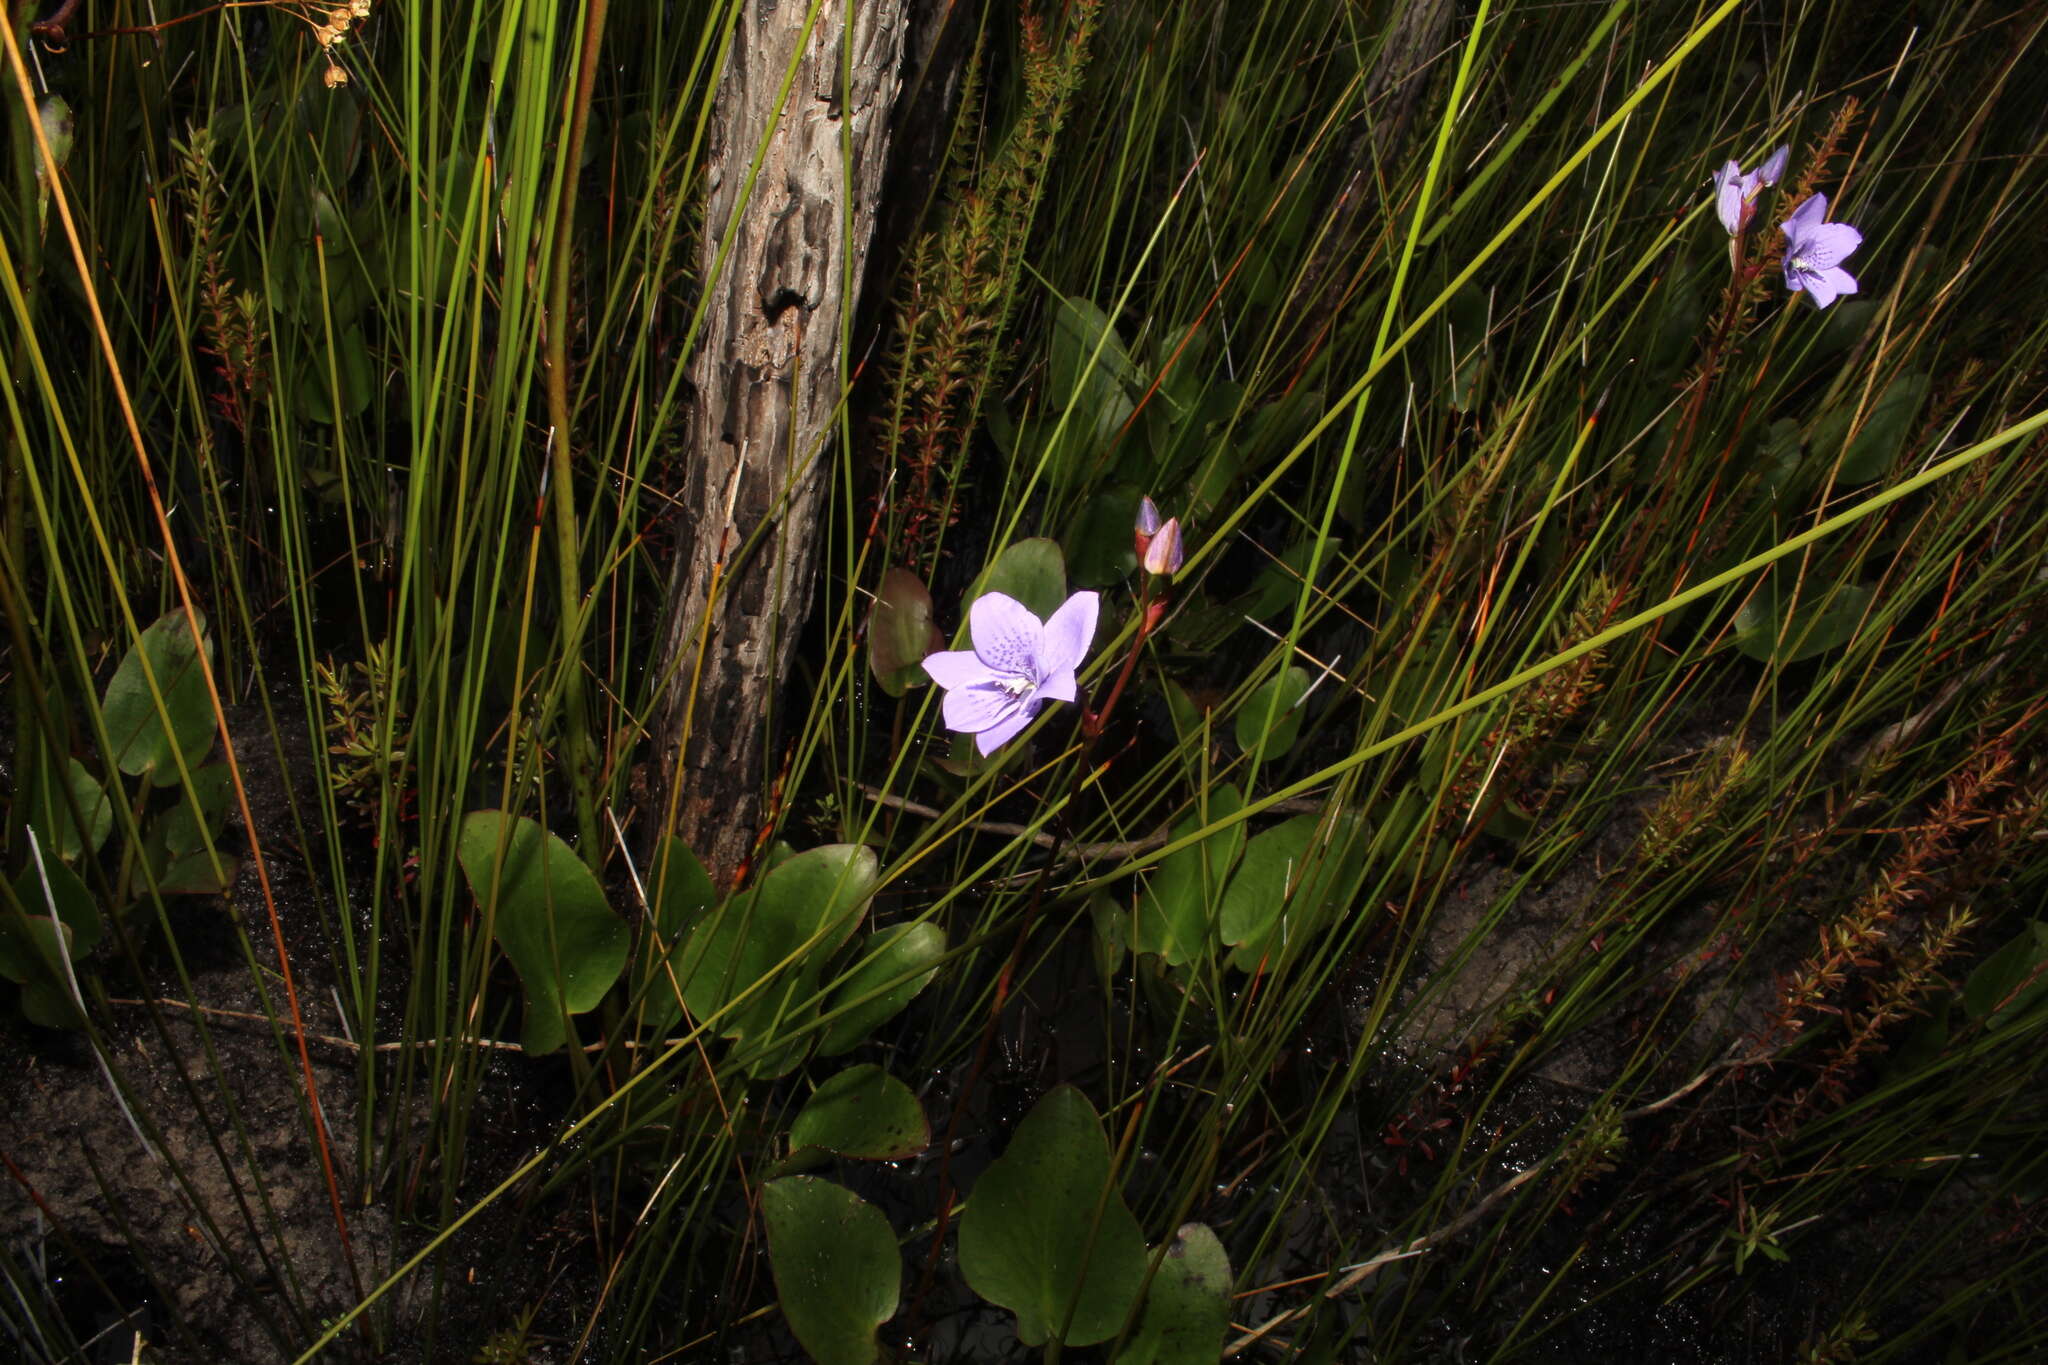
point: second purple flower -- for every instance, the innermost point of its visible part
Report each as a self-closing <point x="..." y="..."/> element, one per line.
<point x="1813" y="251"/>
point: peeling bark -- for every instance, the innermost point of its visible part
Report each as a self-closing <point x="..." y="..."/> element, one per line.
<point x="1394" y="88"/>
<point x="766" y="379"/>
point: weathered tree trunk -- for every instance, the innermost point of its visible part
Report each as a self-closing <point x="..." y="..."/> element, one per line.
<point x="766" y="376"/>
<point x="1415" y="38"/>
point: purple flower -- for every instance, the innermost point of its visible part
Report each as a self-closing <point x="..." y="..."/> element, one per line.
<point x="1164" y="554"/>
<point x="1812" y="250"/>
<point x="1735" y="193"/>
<point x="1018" y="663"/>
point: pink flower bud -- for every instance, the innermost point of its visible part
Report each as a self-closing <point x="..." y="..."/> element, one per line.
<point x="1163" y="556"/>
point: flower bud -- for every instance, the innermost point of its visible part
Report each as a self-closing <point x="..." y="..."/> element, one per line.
<point x="1146" y="526"/>
<point x="1164" y="554"/>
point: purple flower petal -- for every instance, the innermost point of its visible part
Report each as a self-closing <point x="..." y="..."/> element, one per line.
<point x="1829" y="243"/>
<point x="1060" y="686"/>
<point x="1067" y="635"/>
<point x="1825" y="286"/>
<point x="1809" y="215"/>
<point x="978" y="709"/>
<point x="1774" y="166"/>
<point x="952" y="668"/>
<point x="1728" y="197"/>
<point x="1006" y="634"/>
<point x="1003" y="731"/>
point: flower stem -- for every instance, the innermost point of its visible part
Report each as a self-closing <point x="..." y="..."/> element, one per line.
<point x="1149" y="614"/>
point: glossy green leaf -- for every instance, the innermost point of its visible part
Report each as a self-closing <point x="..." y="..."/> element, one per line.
<point x="1274" y="712"/>
<point x="778" y="936"/>
<point x="893" y="965"/>
<point x="1176" y="916"/>
<point x="863" y="1112"/>
<point x="549" y="915"/>
<point x="1882" y="438"/>
<point x="901" y="632"/>
<point x="1465" y="322"/>
<point x="52" y="815"/>
<point x="1187" y="1309"/>
<point x="1092" y="393"/>
<point x="34" y="945"/>
<point x="682" y="895"/>
<point x="1112" y="938"/>
<point x="144" y="739"/>
<point x="1179" y="362"/>
<point x="1045" y="1234"/>
<point x="1272" y="865"/>
<point x="1100" y="551"/>
<point x="60" y="130"/>
<point x="1215" y="479"/>
<point x="1087" y="351"/>
<point x="837" y="1270"/>
<point x="1773" y="626"/>
<point x="1778" y="454"/>
<point x="1277" y="587"/>
<point x="1295" y="878"/>
<point x="1680" y="317"/>
<point x="190" y="874"/>
<point x="1845" y="325"/>
<point x="352" y="370"/>
<point x="48" y="1003"/>
<point x="73" y="903"/>
<point x="1032" y="571"/>
<point x="200" y="816"/>
<point x="2011" y="979"/>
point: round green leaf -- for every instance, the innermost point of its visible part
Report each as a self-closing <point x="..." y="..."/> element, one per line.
<point x="901" y="632"/>
<point x="352" y="370"/>
<point x="1773" y="626"/>
<point x="865" y="1113"/>
<point x="73" y="903"/>
<point x="1295" y="878"/>
<point x="51" y="814"/>
<point x="1086" y="349"/>
<point x="683" y="895"/>
<point x="1258" y="893"/>
<point x="1277" y="586"/>
<point x="1187" y="1310"/>
<point x="778" y="936"/>
<point x="1032" y="571"/>
<point x="549" y="915"/>
<point x="1099" y="548"/>
<point x="1274" y="712"/>
<point x="1886" y="427"/>
<point x="200" y="816"/>
<point x="145" y="739"/>
<point x="837" y="1270"/>
<point x="1046" y="1236"/>
<point x="1176" y="916"/>
<point x="2010" y="979"/>
<point x="894" y="965"/>
<point x="1094" y="384"/>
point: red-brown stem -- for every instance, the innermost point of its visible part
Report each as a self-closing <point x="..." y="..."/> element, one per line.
<point x="1149" y="613"/>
